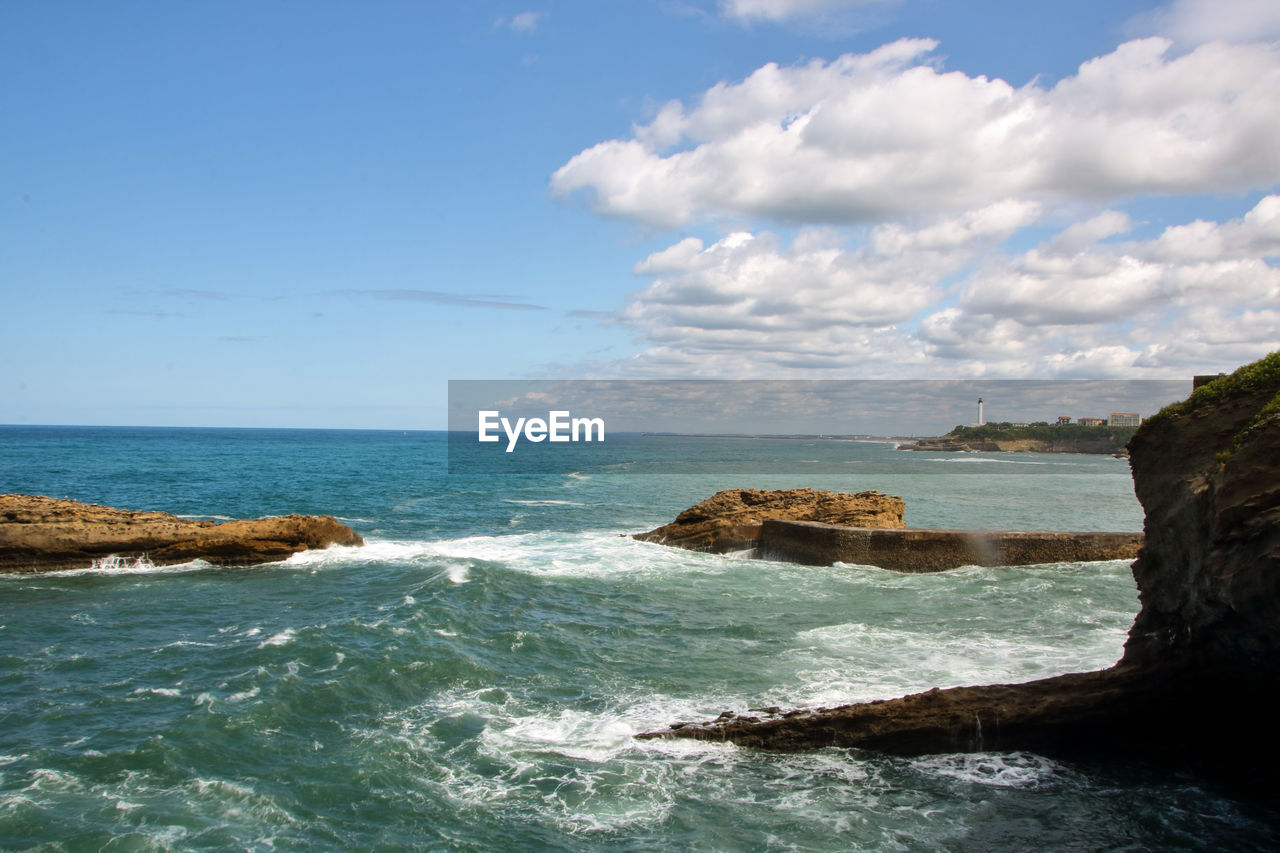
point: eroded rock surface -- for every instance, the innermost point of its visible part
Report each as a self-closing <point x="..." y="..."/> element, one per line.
<point x="1201" y="666"/>
<point x="730" y="520"/>
<point x="40" y="534"/>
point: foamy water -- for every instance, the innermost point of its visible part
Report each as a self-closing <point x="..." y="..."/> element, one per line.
<point x="472" y="677"/>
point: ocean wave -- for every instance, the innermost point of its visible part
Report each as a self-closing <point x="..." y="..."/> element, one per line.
<point x="542" y="502"/>
<point x="169" y="692"/>
<point x="281" y="638"/>
<point x="114" y="565"/>
<point x="996" y="770"/>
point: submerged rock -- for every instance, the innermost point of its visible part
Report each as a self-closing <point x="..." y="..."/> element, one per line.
<point x="1201" y="666"/>
<point x="39" y="534"/>
<point x="730" y="520"/>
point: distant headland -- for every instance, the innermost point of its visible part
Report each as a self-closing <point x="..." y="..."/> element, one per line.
<point x="1034" y="438"/>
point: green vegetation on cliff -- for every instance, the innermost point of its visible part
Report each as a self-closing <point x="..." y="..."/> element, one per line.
<point x="1115" y="437"/>
<point x="1261" y="373"/>
<point x="1264" y="371"/>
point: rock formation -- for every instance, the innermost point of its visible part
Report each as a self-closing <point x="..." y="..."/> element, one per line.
<point x="730" y="520"/>
<point x="1101" y="445"/>
<point x="39" y="534"/>
<point x="1201" y="666"/>
<point x="917" y="550"/>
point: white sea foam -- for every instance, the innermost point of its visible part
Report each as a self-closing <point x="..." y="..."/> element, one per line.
<point x="542" y="502"/>
<point x="114" y="565"/>
<point x="998" y="770"/>
<point x="157" y="691"/>
<point x="244" y="694"/>
<point x="179" y="644"/>
<point x="283" y="638"/>
<point x="580" y="770"/>
<point x="854" y="662"/>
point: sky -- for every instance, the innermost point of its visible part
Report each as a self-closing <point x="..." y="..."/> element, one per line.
<point x="316" y="214"/>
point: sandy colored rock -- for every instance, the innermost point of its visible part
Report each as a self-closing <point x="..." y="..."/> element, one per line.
<point x="730" y="520"/>
<point x="40" y="534"/>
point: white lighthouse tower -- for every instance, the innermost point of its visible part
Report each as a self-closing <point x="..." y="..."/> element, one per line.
<point x="980" y="420"/>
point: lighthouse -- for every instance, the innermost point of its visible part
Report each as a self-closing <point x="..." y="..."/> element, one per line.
<point x="980" y="421"/>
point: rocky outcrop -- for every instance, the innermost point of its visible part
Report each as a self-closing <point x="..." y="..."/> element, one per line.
<point x="39" y="534"/>
<point x="915" y="550"/>
<point x="730" y="520"/>
<point x="1202" y="664"/>
<point x="1101" y="445"/>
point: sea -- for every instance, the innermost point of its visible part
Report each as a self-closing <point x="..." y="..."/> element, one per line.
<point x="472" y="677"/>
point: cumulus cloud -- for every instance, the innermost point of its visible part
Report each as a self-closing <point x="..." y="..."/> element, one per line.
<point x="1191" y="22"/>
<point x="872" y="137"/>
<point x="943" y="299"/>
<point x="908" y="181"/>
<point x="1196" y="294"/>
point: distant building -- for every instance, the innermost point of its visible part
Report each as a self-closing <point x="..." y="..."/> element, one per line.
<point x="1063" y="420"/>
<point x="1021" y="424"/>
<point x="1124" y="419"/>
<point x="1091" y="421"/>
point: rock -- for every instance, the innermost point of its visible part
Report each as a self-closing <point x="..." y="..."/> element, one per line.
<point x="1102" y="444"/>
<point x="914" y="550"/>
<point x="1201" y="666"/>
<point x="730" y="520"/>
<point x="39" y="534"/>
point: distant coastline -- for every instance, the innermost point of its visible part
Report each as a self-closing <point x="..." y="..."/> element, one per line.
<point x="796" y="436"/>
<point x="1036" y="438"/>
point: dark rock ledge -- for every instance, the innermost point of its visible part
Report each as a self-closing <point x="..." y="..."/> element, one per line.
<point x="1201" y="666"/>
<point x="39" y="534"/>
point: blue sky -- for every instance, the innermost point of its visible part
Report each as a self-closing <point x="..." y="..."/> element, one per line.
<point x="317" y="213"/>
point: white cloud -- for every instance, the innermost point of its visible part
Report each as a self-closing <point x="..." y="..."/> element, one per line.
<point x="522" y="22"/>
<point x="906" y="180"/>
<point x="872" y="137"/>
<point x="943" y="299"/>
<point x="781" y="10"/>
<point x="1192" y="22"/>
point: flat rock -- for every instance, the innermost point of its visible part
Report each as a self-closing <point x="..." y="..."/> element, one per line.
<point x="730" y="520"/>
<point x="40" y="534"/>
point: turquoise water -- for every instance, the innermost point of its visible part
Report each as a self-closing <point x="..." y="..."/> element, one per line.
<point x="470" y="679"/>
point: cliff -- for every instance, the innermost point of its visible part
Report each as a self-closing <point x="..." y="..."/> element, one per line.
<point x="1033" y="438"/>
<point x="39" y="534"/>
<point x="1100" y="445"/>
<point x="1200" y="668"/>
<point x="730" y="520"/>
